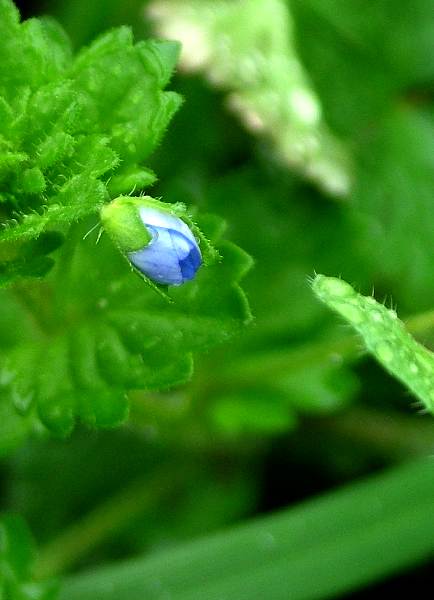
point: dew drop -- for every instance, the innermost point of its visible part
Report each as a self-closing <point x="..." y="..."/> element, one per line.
<point x="332" y="286"/>
<point x="351" y="313"/>
<point x="384" y="352"/>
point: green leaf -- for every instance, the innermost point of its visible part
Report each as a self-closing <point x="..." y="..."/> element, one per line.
<point x="394" y="193"/>
<point x="389" y="38"/>
<point x="267" y="85"/>
<point x="73" y="131"/>
<point x="76" y="200"/>
<point x="260" y="412"/>
<point x="101" y="332"/>
<point x="73" y="128"/>
<point x="16" y="561"/>
<point x="14" y="427"/>
<point x="384" y="336"/>
<point x="321" y="549"/>
<point x="29" y="259"/>
<point x="318" y="388"/>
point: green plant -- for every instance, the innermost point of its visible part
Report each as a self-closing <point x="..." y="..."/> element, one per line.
<point x="137" y="416"/>
<point x="73" y="138"/>
<point x="16" y="557"/>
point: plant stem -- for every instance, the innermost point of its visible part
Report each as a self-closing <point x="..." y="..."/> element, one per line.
<point x="252" y="367"/>
<point x="101" y="523"/>
<point x="395" y="435"/>
<point x="267" y="364"/>
<point x="63" y="270"/>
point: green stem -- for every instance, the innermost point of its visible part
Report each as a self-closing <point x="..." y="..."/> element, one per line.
<point x="29" y="298"/>
<point x="63" y="268"/>
<point x="105" y="520"/>
<point x="395" y="435"/>
<point x="264" y="365"/>
<point x="45" y="303"/>
<point x="254" y="367"/>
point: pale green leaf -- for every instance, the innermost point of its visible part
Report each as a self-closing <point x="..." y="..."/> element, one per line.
<point x="384" y="336"/>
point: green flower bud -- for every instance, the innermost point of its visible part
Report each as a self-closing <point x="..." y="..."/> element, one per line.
<point x="121" y="220"/>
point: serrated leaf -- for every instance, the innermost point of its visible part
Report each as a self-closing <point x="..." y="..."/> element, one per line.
<point x="29" y="259"/>
<point x="132" y="179"/>
<point x="105" y="333"/>
<point x="70" y="125"/>
<point x="74" y="131"/>
<point x="80" y="197"/>
<point x="384" y="336"/>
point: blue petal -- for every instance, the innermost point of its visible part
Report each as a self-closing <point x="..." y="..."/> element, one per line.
<point x="173" y="256"/>
<point x="190" y="264"/>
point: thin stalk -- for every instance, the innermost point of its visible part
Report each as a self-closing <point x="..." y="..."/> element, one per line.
<point x="393" y="434"/>
<point x="104" y="521"/>
<point x="63" y="268"/>
<point x="263" y="365"/>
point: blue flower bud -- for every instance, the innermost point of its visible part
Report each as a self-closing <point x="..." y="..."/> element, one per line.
<point x="154" y="239"/>
<point x="172" y="257"/>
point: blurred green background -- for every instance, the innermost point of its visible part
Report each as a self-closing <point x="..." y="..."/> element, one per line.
<point x="285" y="411"/>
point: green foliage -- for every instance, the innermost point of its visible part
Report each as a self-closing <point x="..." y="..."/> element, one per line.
<point x="70" y="126"/>
<point x="397" y="196"/>
<point x="30" y="258"/>
<point x="122" y="222"/>
<point x="261" y="369"/>
<point x="259" y="67"/>
<point x="74" y="131"/>
<point x="122" y="337"/>
<point x="16" y="558"/>
<point x="277" y="412"/>
<point x="316" y="550"/>
<point x="383" y="334"/>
